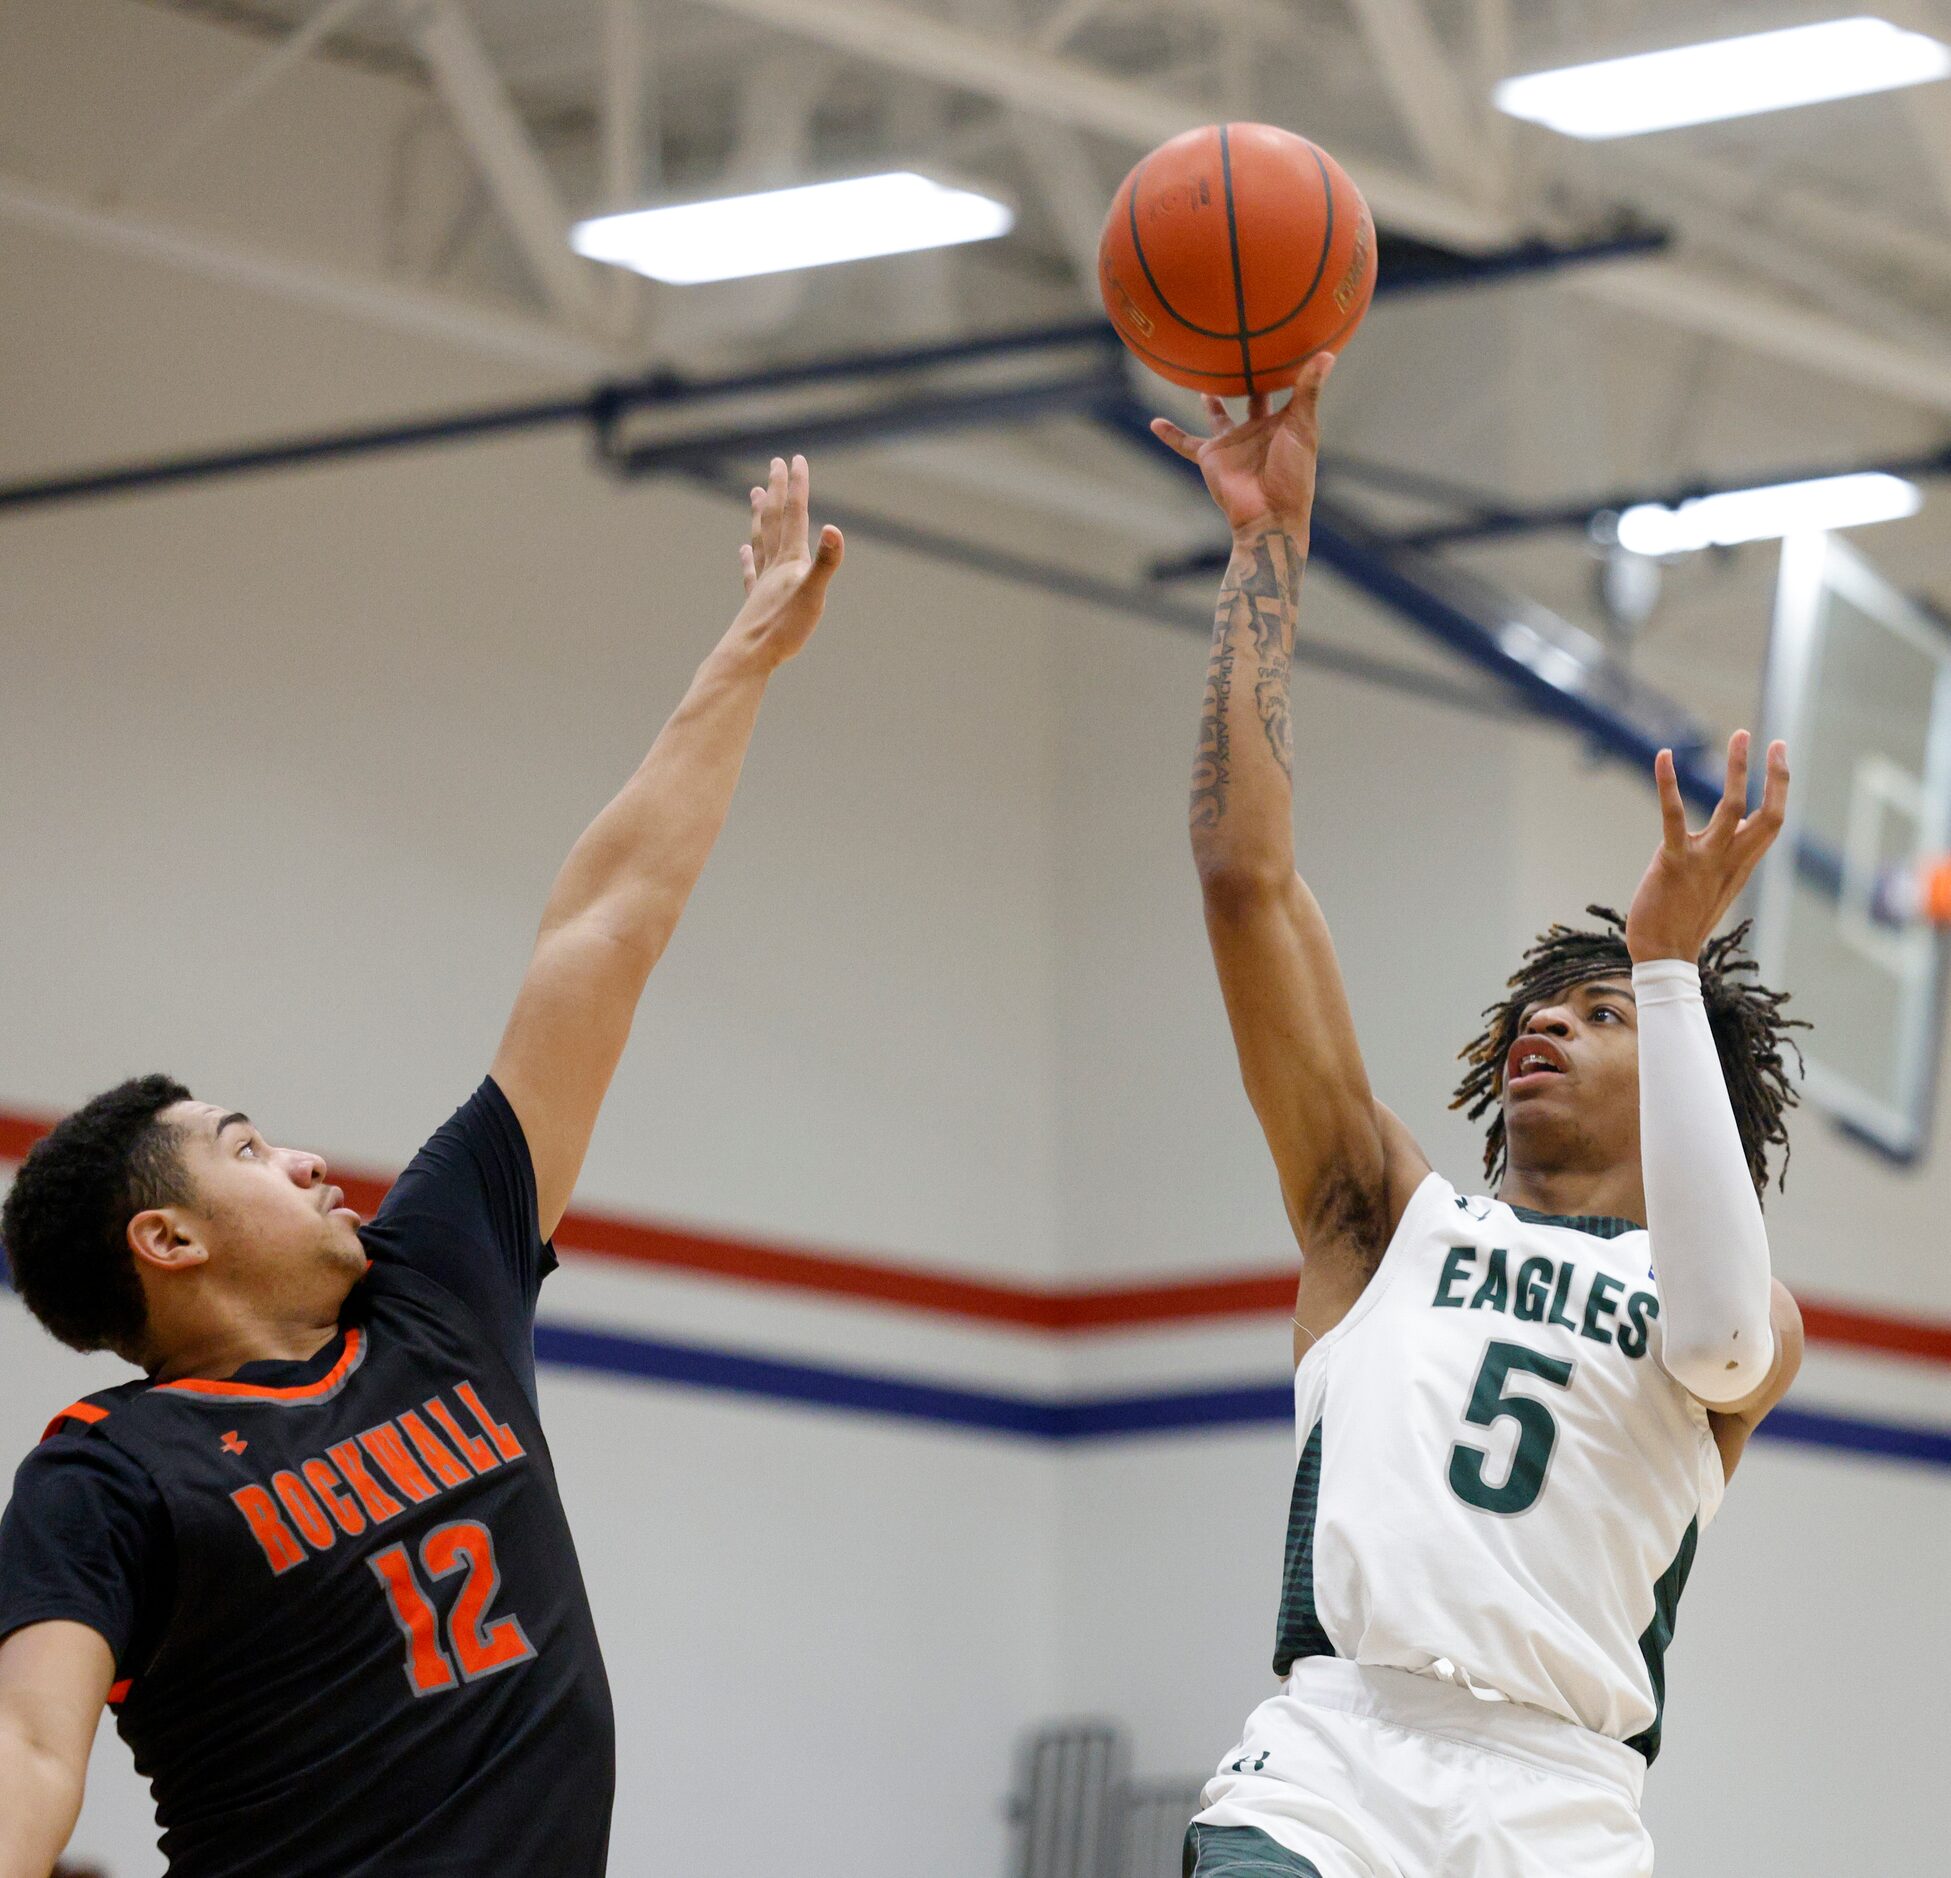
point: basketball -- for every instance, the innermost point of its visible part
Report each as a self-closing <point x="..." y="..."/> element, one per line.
<point x="1232" y="254"/>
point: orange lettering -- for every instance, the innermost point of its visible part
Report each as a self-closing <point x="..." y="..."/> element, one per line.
<point x="477" y="1451"/>
<point x="499" y="1433"/>
<point x="447" y="1465"/>
<point x="372" y="1496"/>
<point x="385" y="1446"/>
<point x="325" y="1484"/>
<point x="280" y="1547"/>
<point x="304" y="1510"/>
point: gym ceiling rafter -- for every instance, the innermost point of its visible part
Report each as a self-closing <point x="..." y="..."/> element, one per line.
<point x="1818" y="249"/>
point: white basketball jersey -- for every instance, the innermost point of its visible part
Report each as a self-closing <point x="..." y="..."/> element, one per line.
<point x="1498" y="1483"/>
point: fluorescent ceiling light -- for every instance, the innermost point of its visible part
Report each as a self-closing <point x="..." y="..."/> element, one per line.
<point x="1762" y="514"/>
<point x="812" y="226"/>
<point x="1725" y="78"/>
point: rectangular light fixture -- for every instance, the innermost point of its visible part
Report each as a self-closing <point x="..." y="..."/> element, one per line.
<point x="814" y="225"/>
<point x="1725" y="78"/>
<point x="1719" y="521"/>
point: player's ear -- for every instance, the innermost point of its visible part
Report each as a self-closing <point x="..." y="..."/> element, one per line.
<point x="163" y="1239"/>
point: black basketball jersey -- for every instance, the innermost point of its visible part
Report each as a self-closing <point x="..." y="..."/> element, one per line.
<point x="380" y="1657"/>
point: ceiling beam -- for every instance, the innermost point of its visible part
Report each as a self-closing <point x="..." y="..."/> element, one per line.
<point x="1929" y="106"/>
<point x="1679" y="294"/>
<point x="508" y="161"/>
<point x="1669" y="291"/>
<point x="624" y="128"/>
<point x="1420" y="73"/>
<point x="1071" y="93"/>
<point x="509" y="337"/>
<point x="147" y="175"/>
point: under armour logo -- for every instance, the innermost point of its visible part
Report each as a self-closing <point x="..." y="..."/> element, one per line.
<point x="233" y="1442"/>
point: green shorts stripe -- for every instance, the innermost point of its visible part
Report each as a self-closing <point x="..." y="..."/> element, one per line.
<point x="1241" y="1852"/>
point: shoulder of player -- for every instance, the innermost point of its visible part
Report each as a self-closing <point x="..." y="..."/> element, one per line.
<point x="72" y="1461"/>
<point x="89" y="1413"/>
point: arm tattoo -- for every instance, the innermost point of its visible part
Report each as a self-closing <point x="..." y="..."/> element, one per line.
<point x="1260" y="594"/>
<point x="1211" y="772"/>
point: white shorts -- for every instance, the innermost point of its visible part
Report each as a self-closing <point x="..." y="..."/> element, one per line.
<point x="1378" y="1773"/>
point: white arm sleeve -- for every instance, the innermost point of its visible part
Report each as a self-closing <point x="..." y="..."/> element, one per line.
<point x="1710" y="1249"/>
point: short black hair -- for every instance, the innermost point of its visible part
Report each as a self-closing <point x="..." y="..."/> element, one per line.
<point x="1750" y="1032"/>
<point x="66" y="1220"/>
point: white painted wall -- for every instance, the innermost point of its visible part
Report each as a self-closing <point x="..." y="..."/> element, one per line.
<point x="285" y="768"/>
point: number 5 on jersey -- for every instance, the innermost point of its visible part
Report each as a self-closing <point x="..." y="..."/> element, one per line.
<point x="1537" y="1431"/>
<point x="477" y="1646"/>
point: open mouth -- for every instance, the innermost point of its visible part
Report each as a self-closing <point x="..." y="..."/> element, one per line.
<point x="1531" y="1059"/>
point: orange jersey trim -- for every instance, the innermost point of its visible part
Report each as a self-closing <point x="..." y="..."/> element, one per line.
<point x="76" y="1412"/>
<point x="355" y="1345"/>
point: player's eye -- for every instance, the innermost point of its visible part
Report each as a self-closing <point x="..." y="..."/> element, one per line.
<point x="1604" y="1010"/>
<point x="248" y="1147"/>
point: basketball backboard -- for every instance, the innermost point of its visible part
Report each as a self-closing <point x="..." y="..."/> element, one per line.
<point x="1859" y="683"/>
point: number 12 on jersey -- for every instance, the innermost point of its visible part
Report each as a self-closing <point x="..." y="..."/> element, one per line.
<point x="1537" y="1431"/>
<point x="477" y="1647"/>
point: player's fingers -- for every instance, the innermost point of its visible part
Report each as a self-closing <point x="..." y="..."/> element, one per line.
<point x="1305" y="403"/>
<point x="1761" y="828"/>
<point x="1673" y="812"/>
<point x="772" y="515"/>
<point x="828" y="553"/>
<point x="799" y="491"/>
<point x="756" y="540"/>
<point x="1169" y="434"/>
<point x="1734" y="792"/>
<point x="1256" y="406"/>
<point x="1216" y="411"/>
<point x="747" y="565"/>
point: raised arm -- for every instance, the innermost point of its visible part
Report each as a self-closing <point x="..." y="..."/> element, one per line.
<point x="1346" y="1170"/>
<point x="54" y="1678"/>
<point x="617" y="900"/>
<point x="1730" y="1333"/>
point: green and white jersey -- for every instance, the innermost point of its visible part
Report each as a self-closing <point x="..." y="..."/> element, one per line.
<point x="1498" y="1483"/>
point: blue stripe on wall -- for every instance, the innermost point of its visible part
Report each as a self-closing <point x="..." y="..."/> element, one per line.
<point x="1087" y="1418"/>
<point x="1082" y="1418"/>
<point x="1816" y="1428"/>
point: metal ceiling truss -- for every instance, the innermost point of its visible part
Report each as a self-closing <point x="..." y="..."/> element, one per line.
<point x="1051" y="100"/>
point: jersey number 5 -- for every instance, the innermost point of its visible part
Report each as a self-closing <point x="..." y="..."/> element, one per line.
<point x="1537" y="1432"/>
<point x="476" y="1646"/>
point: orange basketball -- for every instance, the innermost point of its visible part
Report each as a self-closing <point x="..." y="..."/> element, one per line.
<point x="1234" y="252"/>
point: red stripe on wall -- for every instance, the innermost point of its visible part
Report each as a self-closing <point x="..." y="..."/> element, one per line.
<point x="1920" y="1337"/>
<point x="1021" y="1306"/>
<point x="18" y="1133"/>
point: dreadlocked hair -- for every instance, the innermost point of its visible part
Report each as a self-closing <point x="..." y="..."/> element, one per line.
<point x="1750" y="1032"/>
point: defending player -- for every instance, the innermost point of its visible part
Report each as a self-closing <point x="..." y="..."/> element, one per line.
<point x="315" y="1555"/>
<point x="1514" y="1414"/>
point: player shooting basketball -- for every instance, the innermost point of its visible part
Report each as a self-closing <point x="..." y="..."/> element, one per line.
<point x="1515" y="1414"/>
<point x="315" y="1556"/>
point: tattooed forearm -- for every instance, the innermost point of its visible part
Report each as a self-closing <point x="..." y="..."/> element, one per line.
<point x="1211" y="767"/>
<point x="1254" y="621"/>
<point x="1266" y="590"/>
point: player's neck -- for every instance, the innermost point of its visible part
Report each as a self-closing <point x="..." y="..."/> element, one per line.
<point x="220" y="1343"/>
<point x="1577" y="1192"/>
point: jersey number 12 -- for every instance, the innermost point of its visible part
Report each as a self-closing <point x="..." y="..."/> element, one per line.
<point x="476" y="1647"/>
<point x="1537" y="1432"/>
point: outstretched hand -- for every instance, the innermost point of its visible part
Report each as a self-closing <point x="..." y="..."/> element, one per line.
<point x="1693" y="879"/>
<point x="1261" y="471"/>
<point x="786" y="576"/>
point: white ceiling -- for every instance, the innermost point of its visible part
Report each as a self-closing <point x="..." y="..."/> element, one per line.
<point x="1803" y="313"/>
